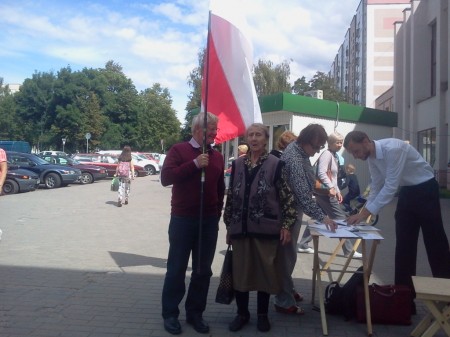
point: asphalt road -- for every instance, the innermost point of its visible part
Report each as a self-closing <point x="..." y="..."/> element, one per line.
<point x="74" y="264"/>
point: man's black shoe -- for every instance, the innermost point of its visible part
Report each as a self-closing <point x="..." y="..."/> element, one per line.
<point x="198" y="323"/>
<point x="172" y="325"/>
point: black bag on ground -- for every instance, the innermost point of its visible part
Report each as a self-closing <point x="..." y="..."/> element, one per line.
<point x="342" y="300"/>
<point x="225" y="291"/>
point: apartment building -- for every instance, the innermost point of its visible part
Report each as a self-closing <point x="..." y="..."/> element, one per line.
<point x="363" y="68"/>
<point x="421" y="95"/>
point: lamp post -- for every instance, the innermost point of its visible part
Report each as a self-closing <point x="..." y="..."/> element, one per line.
<point x="64" y="142"/>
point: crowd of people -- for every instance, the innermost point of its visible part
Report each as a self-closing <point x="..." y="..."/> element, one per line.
<point x="268" y="194"/>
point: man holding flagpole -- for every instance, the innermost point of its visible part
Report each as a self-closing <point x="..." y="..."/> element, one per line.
<point x="183" y="169"/>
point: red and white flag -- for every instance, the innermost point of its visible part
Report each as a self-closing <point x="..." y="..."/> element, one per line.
<point x="228" y="90"/>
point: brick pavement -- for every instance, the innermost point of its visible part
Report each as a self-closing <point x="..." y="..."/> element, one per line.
<point x="73" y="264"/>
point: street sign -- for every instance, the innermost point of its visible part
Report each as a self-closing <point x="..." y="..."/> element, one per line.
<point x="87" y="135"/>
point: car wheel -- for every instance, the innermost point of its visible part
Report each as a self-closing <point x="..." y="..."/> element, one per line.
<point x="150" y="170"/>
<point x="86" y="178"/>
<point x="52" y="180"/>
<point x="10" y="187"/>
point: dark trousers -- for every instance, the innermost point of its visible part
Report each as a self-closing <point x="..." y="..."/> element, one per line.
<point x="184" y="239"/>
<point x="419" y="208"/>
<point x="262" y="302"/>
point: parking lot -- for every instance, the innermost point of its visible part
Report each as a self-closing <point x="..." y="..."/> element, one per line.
<point x="74" y="264"/>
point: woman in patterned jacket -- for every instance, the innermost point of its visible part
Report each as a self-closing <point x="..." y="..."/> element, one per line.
<point x="259" y="213"/>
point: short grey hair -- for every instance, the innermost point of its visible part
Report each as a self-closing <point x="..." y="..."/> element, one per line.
<point x="197" y="121"/>
<point x="260" y="126"/>
<point x="334" y="137"/>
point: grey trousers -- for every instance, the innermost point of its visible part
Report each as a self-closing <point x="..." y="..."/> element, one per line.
<point x="288" y="253"/>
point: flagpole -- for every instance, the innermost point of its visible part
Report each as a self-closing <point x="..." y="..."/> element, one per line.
<point x="205" y="126"/>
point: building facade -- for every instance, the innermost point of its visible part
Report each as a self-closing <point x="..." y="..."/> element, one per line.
<point x="363" y="67"/>
<point x="421" y="95"/>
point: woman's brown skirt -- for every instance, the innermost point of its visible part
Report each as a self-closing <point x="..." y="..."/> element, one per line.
<point x="255" y="265"/>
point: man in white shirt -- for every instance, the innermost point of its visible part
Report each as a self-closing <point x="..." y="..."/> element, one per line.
<point x="394" y="163"/>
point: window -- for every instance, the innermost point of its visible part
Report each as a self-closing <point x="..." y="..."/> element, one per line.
<point x="427" y="145"/>
<point x="277" y="131"/>
<point x="433" y="52"/>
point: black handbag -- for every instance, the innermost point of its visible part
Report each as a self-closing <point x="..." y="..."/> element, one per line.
<point x="225" y="291"/>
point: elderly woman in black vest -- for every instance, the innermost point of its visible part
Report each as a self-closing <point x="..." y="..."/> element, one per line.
<point x="259" y="213"/>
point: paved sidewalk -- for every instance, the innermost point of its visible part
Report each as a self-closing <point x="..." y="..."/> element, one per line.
<point x="73" y="264"/>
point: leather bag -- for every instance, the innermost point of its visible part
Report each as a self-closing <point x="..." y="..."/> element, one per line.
<point x="389" y="304"/>
<point x="225" y="291"/>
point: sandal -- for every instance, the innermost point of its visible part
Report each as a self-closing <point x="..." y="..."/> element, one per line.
<point x="291" y="310"/>
<point x="298" y="297"/>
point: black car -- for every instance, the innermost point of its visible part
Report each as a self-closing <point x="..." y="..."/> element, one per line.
<point x="52" y="176"/>
<point x="20" y="180"/>
<point x="89" y="173"/>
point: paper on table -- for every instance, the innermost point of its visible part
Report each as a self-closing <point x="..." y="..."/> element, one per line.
<point x="367" y="228"/>
<point x="340" y="233"/>
<point x="369" y="235"/>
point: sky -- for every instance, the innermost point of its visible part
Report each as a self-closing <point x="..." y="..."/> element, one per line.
<point x="159" y="41"/>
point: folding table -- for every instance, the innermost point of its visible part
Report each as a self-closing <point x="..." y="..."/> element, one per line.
<point x="367" y="263"/>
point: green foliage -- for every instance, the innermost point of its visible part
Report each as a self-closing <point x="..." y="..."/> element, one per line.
<point x="195" y="96"/>
<point x="270" y="78"/>
<point x="157" y="118"/>
<point x="320" y="81"/>
<point x="9" y="129"/>
<point x="102" y="102"/>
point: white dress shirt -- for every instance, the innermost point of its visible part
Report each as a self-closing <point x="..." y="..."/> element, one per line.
<point x="396" y="163"/>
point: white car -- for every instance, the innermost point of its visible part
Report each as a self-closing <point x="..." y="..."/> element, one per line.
<point x="150" y="166"/>
<point x="53" y="153"/>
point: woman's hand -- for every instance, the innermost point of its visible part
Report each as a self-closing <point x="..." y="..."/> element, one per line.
<point x="331" y="225"/>
<point x="285" y="236"/>
<point x="332" y="192"/>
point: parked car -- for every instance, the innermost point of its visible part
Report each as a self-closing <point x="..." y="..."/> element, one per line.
<point x="53" y="176"/>
<point x="108" y="162"/>
<point x="20" y="180"/>
<point x="149" y="156"/>
<point x="89" y="173"/>
<point x="150" y="166"/>
<point x="52" y="153"/>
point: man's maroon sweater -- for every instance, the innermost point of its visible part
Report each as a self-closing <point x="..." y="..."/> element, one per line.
<point x="179" y="170"/>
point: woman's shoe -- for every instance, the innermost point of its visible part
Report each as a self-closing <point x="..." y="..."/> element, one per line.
<point x="263" y="323"/>
<point x="291" y="310"/>
<point x="298" y="297"/>
<point x="238" y="322"/>
<point x="119" y="203"/>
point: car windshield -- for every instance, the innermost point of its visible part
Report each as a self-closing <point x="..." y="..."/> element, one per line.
<point x="39" y="160"/>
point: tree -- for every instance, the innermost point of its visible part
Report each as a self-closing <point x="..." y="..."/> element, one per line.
<point x="195" y="96"/>
<point x="34" y="107"/>
<point x="157" y="119"/>
<point x="10" y="125"/>
<point x="320" y="81"/>
<point x="301" y="86"/>
<point x="270" y="78"/>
